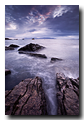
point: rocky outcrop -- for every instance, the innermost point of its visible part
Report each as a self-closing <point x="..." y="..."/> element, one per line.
<point x="13" y="45"/>
<point x="31" y="47"/>
<point x="67" y="95"/>
<point x="9" y="48"/>
<point x="7" y="71"/>
<point x="55" y="59"/>
<point x="26" y="98"/>
<point x="34" y="54"/>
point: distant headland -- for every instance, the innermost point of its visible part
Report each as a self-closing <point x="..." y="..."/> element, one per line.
<point x="10" y="39"/>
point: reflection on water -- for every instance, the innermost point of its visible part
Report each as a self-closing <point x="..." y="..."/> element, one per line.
<point x="23" y="66"/>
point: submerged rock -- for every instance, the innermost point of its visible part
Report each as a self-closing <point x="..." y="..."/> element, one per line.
<point x="31" y="47"/>
<point x="34" y="54"/>
<point x="26" y="98"/>
<point x="7" y="71"/>
<point x="9" y="48"/>
<point x="38" y="55"/>
<point x="55" y="59"/>
<point x="13" y="45"/>
<point x="67" y="95"/>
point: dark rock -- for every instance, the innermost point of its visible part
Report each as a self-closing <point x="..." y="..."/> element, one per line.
<point x="31" y="47"/>
<point x="27" y="98"/>
<point x="75" y="82"/>
<point x="13" y="45"/>
<point x="38" y="55"/>
<point x="9" y="48"/>
<point x="7" y="71"/>
<point x="8" y="39"/>
<point x="67" y="95"/>
<point x="33" y="54"/>
<point x="71" y="102"/>
<point x="55" y="60"/>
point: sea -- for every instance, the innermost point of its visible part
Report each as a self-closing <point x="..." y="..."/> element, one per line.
<point x="23" y="66"/>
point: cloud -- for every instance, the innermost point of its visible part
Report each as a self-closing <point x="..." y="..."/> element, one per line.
<point x="41" y="21"/>
<point x="60" y="10"/>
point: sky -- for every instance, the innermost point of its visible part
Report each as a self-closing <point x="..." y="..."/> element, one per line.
<point x="42" y="21"/>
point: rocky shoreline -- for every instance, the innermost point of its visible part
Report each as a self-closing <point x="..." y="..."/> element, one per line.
<point x="67" y="95"/>
<point x="26" y="98"/>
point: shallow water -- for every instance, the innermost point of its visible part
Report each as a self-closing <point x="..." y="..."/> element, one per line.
<point x="23" y="66"/>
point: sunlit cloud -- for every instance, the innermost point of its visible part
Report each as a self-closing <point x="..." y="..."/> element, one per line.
<point x="11" y="27"/>
<point x="59" y="11"/>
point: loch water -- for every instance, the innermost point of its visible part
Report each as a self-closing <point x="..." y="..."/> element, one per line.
<point x="23" y="66"/>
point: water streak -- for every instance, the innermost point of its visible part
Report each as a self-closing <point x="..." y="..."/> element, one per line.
<point x="23" y="66"/>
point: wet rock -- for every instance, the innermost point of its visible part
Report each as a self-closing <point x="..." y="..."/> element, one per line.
<point x="33" y="54"/>
<point x="67" y="95"/>
<point x="55" y="59"/>
<point x="27" y="98"/>
<point x="7" y="71"/>
<point x="31" y="47"/>
<point x="9" y="48"/>
<point x="13" y="45"/>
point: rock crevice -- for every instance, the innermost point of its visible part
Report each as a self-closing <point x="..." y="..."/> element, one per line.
<point x="27" y="98"/>
<point x="67" y="95"/>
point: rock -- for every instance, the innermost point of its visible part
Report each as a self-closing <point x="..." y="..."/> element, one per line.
<point x="55" y="60"/>
<point x="71" y="102"/>
<point x="9" y="48"/>
<point x="67" y="95"/>
<point x="33" y="54"/>
<point x="38" y="55"/>
<point x="8" y="39"/>
<point x="31" y="47"/>
<point x="27" y="98"/>
<point x="75" y="82"/>
<point x="7" y="71"/>
<point x="13" y="45"/>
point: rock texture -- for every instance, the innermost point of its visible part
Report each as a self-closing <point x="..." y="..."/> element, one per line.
<point x="26" y="98"/>
<point x="31" y="47"/>
<point x="67" y="95"/>
<point x="33" y="54"/>
<point x="7" y="71"/>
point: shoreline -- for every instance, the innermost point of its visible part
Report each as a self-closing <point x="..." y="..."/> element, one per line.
<point x="26" y="98"/>
<point x="31" y="91"/>
<point x="67" y="95"/>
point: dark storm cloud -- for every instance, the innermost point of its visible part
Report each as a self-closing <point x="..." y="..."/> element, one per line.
<point x="41" y="20"/>
<point x="68" y="22"/>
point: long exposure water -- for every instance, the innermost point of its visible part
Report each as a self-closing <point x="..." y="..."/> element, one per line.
<point x="23" y="66"/>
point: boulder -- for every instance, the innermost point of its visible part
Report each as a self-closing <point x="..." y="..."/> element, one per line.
<point x="55" y="59"/>
<point x="13" y="45"/>
<point x="34" y="54"/>
<point x="67" y="95"/>
<point x="7" y="71"/>
<point x="31" y="47"/>
<point x="26" y="98"/>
